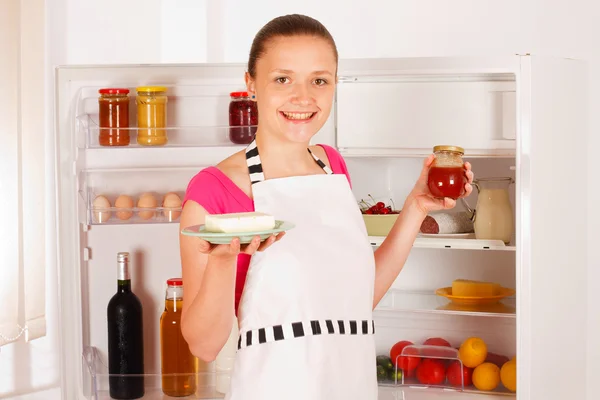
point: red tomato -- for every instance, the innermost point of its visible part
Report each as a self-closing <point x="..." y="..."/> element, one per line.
<point x="437" y="342"/>
<point x="453" y="374"/>
<point x="431" y="372"/>
<point x="404" y="362"/>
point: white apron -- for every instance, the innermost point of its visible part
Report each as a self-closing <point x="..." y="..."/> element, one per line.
<point x="305" y="316"/>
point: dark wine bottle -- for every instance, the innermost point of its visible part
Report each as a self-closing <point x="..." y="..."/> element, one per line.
<point x="125" y="337"/>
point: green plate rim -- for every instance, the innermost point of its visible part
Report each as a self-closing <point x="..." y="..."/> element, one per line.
<point x="284" y="226"/>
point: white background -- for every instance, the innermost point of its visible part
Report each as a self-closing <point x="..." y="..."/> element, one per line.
<point x="166" y="31"/>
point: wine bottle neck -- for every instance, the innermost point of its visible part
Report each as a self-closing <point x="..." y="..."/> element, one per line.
<point x="124" y="286"/>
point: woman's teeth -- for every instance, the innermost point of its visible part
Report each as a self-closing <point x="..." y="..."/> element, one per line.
<point x="298" y="116"/>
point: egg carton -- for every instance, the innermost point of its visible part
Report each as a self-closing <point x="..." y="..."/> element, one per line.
<point x="147" y="207"/>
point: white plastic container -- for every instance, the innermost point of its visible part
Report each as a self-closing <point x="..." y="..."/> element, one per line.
<point x="225" y="360"/>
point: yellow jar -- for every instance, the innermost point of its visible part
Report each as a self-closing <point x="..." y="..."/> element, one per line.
<point x="152" y="115"/>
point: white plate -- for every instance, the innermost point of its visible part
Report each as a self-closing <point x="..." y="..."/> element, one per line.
<point x="245" y="237"/>
<point x="448" y="235"/>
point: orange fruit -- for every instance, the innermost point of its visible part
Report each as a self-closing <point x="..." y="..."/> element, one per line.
<point x="486" y="376"/>
<point x="472" y="352"/>
<point x="508" y="375"/>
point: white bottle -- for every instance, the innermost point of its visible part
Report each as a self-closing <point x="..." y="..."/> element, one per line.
<point x="225" y="360"/>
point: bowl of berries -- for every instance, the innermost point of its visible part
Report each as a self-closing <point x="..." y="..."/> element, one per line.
<point x="379" y="217"/>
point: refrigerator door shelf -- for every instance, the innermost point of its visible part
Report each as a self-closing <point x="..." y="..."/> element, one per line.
<point x="133" y="195"/>
<point x="96" y="381"/>
<point x="177" y="136"/>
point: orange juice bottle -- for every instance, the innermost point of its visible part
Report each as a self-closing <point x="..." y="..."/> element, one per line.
<point x="178" y="366"/>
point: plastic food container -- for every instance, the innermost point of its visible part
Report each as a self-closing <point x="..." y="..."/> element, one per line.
<point x="379" y="224"/>
<point x="447" y="174"/>
<point x="243" y="118"/>
<point x="113" y="115"/>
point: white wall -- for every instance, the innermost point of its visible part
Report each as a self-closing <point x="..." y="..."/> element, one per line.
<point x="151" y="31"/>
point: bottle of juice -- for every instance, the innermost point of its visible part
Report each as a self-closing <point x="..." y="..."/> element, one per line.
<point x="178" y="366"/>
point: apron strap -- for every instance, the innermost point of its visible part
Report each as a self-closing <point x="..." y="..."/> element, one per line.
<point x="255" y="165"/>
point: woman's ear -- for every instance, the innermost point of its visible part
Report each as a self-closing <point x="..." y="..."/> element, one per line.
<point x="250" y="85"/>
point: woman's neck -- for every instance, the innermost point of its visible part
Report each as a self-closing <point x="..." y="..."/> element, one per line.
<point x="284" y="158"/>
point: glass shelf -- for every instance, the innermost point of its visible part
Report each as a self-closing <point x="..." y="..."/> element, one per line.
<point x="396" y="301"/>
<point x="449" y="243"/>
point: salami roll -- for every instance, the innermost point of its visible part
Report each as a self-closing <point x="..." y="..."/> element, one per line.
<point x="445" y="223"/>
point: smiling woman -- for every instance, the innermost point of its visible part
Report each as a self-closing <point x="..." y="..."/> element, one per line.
<point x="291" y="295"/>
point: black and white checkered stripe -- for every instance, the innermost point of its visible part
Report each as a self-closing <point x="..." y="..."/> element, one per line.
<point x="305" y="328"/>
<point x="255" y="166"/>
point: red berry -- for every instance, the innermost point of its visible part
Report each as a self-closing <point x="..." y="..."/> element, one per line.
<point x="384" y="211"/>
<point x="380" y="205"/>
<point x="369" y="211"/>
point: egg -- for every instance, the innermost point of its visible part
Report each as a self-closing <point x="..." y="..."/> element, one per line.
<point x="101" y="207"/>
<point x="147" y="200"/>
<point x="172" y="205"/>
<point x="124" y="204"/>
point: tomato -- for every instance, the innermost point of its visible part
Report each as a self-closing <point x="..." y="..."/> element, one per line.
<point x="453" y="374"/>
<point x="404" y="362"/>
<point x="431" y="372"/>
<point x="437" y="342"/>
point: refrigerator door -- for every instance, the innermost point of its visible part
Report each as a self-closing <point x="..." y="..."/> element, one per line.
<point x="552" y="180"/>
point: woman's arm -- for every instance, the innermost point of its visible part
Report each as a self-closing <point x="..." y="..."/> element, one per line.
<point x="209" y="285"/>
<point x="392" y="254"/>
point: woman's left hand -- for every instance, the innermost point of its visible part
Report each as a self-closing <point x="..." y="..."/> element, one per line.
<point x="421" y="196"/>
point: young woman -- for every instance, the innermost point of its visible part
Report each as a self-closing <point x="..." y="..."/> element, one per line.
<point x="304" y="301"/>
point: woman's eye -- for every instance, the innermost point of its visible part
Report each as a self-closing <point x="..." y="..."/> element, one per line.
<point x="281" y="80"/>
<point x="320" y="82"/>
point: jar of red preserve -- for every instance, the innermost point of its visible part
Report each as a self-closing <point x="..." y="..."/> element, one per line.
<point x="447" y="173"/>
<point x="243" y="118"/>
<point x="113" y="114"/>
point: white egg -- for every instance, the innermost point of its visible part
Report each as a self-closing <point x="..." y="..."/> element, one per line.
<point x="172" y="206"/>
<point x="101" y="208"/>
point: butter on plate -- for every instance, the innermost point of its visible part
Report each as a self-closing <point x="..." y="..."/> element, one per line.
<point x="239" y="222"/>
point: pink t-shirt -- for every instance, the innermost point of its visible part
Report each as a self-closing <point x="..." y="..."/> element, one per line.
<point x="214" y="191"/>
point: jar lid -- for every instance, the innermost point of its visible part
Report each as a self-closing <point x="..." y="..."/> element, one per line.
<point x="151" y="89"/>
<point x="239" y="94"/>
<point x="113" y="91"/>
<point x="454" y="149"/>
<point x="175" y="282"/>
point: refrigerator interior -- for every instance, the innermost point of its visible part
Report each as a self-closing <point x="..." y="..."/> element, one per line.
<point x="388" y="115"/>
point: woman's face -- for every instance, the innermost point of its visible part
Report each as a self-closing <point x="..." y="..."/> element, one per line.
<point x="294" y="86"/>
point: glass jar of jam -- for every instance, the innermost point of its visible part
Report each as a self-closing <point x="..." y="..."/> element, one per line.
<point x="447" y="173"/>
<point x="152" y="115"/>
<point x="243" y="118"/>
<point x="113" y="116"/>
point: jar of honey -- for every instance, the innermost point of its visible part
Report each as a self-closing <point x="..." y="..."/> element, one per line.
<point x="152" y="115"/>
<point x="243" y="118"/>
<point x="113" y="117"/>
<point x="447" y="173"/>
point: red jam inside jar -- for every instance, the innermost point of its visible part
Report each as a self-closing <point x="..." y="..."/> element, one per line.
<point x="243" y="118"/>
<point x="447" y="174"/>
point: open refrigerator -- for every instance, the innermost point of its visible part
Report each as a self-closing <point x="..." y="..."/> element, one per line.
<point x="518" y="116"/>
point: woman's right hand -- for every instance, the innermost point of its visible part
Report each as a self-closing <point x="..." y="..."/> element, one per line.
<point x="231" y="250"/>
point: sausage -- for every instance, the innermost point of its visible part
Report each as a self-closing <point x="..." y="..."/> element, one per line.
<point x="445" y="223"/>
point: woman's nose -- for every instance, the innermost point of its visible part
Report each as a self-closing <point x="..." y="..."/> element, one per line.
<point x="302" y="94"/>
